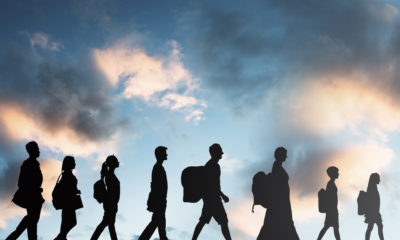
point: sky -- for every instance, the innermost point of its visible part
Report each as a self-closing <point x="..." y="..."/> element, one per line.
<point x="93" y="78"/>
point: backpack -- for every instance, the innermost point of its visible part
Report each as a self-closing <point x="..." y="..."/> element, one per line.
<point x="57" y="195"/>
<point x="100" y="191"/>
<point x="192" y="180"/>
<point x="362" y="202"/>
<point x="322" y="200"/>
<point x="262" y="189"/>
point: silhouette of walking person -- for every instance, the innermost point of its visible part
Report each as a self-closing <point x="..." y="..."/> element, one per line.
<point x="212" y="203"/>
<point x="110" y="203"/>
<point x="70" y="197"/>
<point x="332" y="214"/>
<point x="372" y="215"/>
<point x="29" y="193"/>
<point x="278" y="222"/>
<point x="157" y="201"/>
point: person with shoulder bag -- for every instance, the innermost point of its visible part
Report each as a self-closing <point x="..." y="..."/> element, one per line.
<point x="68" y="197"/>
<point x="29" y="193"/>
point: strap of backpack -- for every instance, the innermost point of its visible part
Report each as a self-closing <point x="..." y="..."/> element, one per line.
<point x="58" y="179"/>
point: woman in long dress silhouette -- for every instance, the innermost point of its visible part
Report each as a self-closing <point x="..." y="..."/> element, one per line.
<point x="278" y="222"/>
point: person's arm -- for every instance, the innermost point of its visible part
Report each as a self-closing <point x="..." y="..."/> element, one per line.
<point x="224" y="197"/>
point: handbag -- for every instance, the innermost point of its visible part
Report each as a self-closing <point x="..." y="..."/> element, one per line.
<point x="20" y="198"/>
<point x="57" y="195"/>
<point x="77" y="202"/>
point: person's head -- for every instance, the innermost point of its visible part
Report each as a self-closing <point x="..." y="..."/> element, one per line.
<point x="216" y="151"/>
<point x="33" y="149"/>
<point x="161" y="153"/>
<point x="68" y="163"/>
<point x="374" y="178"/>
<point x="112" y="161"/>
<point x="333" y="172"/>
<point x="281" y="154"/>
<point x="110" y="164"/>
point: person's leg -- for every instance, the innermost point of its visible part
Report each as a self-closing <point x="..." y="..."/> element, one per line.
<point x="111" y="226"/>
<point x="161" y="224"/>
<point x="99" y="228"/>
<point x="380" y="231"/>
<point x="198" y="229"/>
<point x="149" y="230"/>
<point x="336" y="232"/>
<point x="368" y="232"/>
<point x="225" y="231"/>
<point x="322" y="232"/>
<point x="33" y="219"/>
<point x="67" y="223"/>
<point x="20" y="229"/>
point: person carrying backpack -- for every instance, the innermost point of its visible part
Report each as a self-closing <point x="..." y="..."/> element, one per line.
<point x="331" y="202"/>
<point x="278" y="222"/>
<point x="111" y="198"/>
<point x="70" y="199"/>
<point x="372" y="214"/>
<point x="212" y="202"/>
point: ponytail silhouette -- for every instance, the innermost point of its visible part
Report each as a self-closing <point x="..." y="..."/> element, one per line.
<point x="110" y="203"/>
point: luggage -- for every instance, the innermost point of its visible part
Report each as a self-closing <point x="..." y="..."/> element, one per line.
<point x="100" y="191"/>
<point x="57" y="197"/>
<point x="192" y="180"/>
<point x="362" y="202"/>
<point x="20" y="198"/>
<point x="262" y="189"/>
<point x="322" y="205"/>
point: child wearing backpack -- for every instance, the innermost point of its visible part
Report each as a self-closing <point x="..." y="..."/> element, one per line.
<point x="110" y="199"/>
<point x="331" y="198"/>
<point x="372" y="215"/>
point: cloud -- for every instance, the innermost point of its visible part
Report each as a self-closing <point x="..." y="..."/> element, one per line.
<point x="230" y="165"/>
<point x="160" y="80"/>
<point x="43" y="40"/>
<point x="66" y="108"/>
<point x="241" y="53"/>
<point x="57" y="96"/>
<point x="21" y="126"/>
<point x="330" y="104"/>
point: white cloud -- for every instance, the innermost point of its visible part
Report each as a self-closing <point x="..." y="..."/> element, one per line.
<point x="230" y="165"/>
<point x="160" y="80"/>
<point x="43" y="40"/>
<point x="20" y="126"/>
<point x="330" y="104"/>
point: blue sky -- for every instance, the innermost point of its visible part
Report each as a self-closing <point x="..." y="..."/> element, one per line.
<point x="93" y="78"/>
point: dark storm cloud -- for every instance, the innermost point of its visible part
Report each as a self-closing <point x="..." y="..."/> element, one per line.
<point x="247" y="49"/>
<point x="58" y="96"/>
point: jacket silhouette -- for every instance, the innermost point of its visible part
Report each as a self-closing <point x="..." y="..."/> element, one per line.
<point x="29" y="193"/>
<point x="157" y="201"/>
